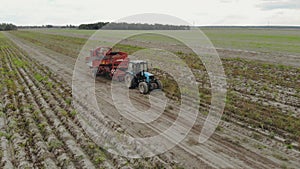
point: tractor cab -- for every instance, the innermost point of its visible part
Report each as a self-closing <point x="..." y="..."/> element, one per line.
<point x="137" y="75"/>
<point x="138" y="67"/>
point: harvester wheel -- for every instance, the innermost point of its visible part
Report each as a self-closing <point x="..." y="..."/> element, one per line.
<point x="159" y="84"/>
<point x="129" y="80"/>
<point x="143" y="88"/>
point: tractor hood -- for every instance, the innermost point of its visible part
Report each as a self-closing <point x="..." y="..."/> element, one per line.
<point x="147" y="74"/>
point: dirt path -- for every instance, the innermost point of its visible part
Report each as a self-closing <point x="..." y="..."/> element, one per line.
<point x="221" y="151"/>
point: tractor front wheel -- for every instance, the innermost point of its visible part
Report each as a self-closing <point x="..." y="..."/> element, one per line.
<point x="143" y="88"/>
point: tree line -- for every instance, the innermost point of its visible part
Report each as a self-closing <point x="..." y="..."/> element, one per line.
<point x="47" y="26"/>
<point x="94" y="26"/>
<point x="132" y="26"/>
<point x="7" y="27"/>
<point x="116" y="26"/>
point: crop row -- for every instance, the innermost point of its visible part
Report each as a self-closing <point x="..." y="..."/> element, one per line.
<point x="41" y="128"/>
<point x="262" y="95"/>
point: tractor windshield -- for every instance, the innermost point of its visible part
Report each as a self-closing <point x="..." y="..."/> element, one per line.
<point x="138" y="67"/>
<point x="144" y="66"/>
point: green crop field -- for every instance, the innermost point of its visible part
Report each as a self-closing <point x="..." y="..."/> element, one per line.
<point x="262" y="102"/>
<point x="266" y="40"/>
<point x="285" y="41"/>
<point x="239" y="106"/>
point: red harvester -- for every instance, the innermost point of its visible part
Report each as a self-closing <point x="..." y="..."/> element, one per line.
<point x="104" y="62"/>
<point x="116" y="65"/>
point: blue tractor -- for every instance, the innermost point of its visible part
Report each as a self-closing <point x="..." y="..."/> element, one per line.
<point x="137" y="76"/>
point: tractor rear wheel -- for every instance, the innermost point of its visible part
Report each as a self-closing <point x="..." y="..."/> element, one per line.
<point x="159" y="84"/>
<point x="143" y="88"/>
<point x="129" y="80"/>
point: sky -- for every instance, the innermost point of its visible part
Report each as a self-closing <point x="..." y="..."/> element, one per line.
<point x="195" y="12"/>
